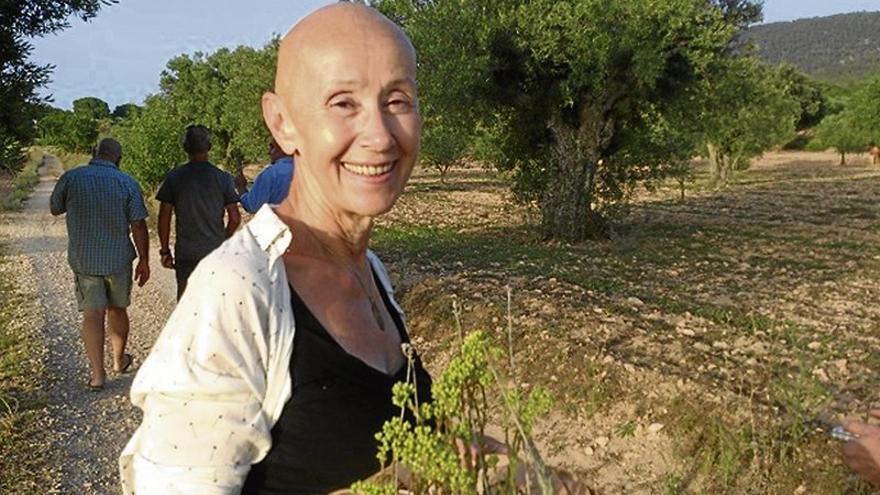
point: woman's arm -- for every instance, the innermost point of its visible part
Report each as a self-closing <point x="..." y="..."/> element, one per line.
<point x="203" y="386"/>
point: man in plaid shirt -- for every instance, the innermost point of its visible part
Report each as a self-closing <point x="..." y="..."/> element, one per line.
<point x="102" y="206"/>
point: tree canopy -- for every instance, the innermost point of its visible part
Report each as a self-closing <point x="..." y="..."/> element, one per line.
<point x="220" y="90"/>
<point x="91" y="107"/>
<point x="20" y="79"/>
<point x="571" y="96"/>
<point x="743" y="108"/>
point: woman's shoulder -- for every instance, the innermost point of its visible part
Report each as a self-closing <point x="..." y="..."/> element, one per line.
<point x="238" y="264"/>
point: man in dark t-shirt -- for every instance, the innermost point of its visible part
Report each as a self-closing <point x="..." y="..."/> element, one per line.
<point x="198" y="193"/>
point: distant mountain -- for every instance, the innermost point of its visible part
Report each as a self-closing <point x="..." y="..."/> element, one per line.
<point x="834" y="48"/>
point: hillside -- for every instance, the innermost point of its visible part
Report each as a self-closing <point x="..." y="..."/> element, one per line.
<point x="834" y="48"/>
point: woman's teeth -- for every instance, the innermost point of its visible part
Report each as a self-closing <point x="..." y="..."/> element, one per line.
<point x="368" y="170"/>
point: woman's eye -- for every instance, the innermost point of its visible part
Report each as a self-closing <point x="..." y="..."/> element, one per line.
<point x="343" y="104"/>
<point x="399" y="104"/>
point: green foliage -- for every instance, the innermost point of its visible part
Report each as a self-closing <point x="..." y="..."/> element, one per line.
<point x="846" y="50"/>
<point x="126" y="110"/>
<point x="458" y="415"/>
<point x="856" y="125"/>
<point x="75" y="133"/>
<point x="626" y="430"/>
<point x="570" y="96"/>
<point x="864" y="106"/>
<point x="745" y="108"/>
<point x="91" y="107"/>
<point x="249" y="73"/>
<point x="151" y="142"/>
<point x="809" y="94"/>
<point x="843" y="133"/>
<point x="24" y="182"/>
<point x="19" y="78"/>
<point x="451" y="71"/>
<point x="222" y="91"/>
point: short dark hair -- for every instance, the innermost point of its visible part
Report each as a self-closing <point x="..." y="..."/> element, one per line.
<point x="196" y="139"/>
<point x="108" y="148"/>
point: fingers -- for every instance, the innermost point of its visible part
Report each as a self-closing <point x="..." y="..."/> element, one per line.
<point x="863" y="457"/>
<point x="875" y="413"/>
<point x="142" y="274"/>
<point x="862" y="429"/>
<point x="493" y="446"/>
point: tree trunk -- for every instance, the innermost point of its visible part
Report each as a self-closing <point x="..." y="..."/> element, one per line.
<point x="715" y="164"/>
<point x="842" y="158"/>
<point x="721" y="165"/>
<point x="567" y="202"/>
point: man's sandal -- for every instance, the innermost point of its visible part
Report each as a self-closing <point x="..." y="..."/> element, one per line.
<point x="128" y="359"/>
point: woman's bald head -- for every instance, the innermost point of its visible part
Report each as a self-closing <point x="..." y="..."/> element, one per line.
<point x="334" y="27"/>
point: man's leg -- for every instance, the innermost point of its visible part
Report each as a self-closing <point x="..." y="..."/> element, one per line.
<point x="92" y="333"/>
<point x="92" y="301"/>
<point x="117" y="323"/>
<point x="119" y="295"/>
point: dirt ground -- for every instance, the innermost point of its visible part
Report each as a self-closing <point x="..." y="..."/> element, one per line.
<point x="688" y="354"/>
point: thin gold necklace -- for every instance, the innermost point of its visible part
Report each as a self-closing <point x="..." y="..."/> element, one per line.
<point x="374" y="307"/>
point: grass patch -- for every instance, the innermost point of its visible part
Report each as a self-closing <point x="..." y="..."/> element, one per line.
<point x="69" y="160"/>
<point x="729" y="454"/>
<point x="514" y="250"/>
<point x="720" y="315"/>
<point x="22" y="404"/>
<point x="12" y="197"/>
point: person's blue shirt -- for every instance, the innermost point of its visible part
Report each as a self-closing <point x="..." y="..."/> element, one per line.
<point x="100" y="203"/>
<point x="270" y="186"/>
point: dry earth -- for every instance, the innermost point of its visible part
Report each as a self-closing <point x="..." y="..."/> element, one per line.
<point x="747" y="309"/>
<point x="719" y="323"/>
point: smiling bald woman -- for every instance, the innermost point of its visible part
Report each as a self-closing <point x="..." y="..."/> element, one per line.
<point x="275" y="370"/>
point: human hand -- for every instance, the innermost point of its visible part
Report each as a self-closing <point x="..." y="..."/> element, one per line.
<point x="142" y="272"/>
<point x="862" y="455"/>
<point x="240" y="181"/>
<point x="484" y="445"/>
<point x="167" y="260"/>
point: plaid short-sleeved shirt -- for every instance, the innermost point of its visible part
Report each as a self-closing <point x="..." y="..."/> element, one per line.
<point x="100" y="202"/>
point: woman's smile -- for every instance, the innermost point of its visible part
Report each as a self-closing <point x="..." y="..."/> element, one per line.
<point x="372" y="170"/>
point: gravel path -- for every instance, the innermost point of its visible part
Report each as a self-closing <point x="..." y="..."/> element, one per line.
<point x="87" y="430"/>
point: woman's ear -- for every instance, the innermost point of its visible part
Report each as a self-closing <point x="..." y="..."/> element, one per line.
<point x="279" y="123"/>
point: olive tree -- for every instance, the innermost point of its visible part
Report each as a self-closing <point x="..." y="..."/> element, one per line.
<point x="743" y="109"/>
<point x="568" y="95"/>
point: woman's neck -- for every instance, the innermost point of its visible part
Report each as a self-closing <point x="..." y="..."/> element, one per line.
<point x="318" y="233"/>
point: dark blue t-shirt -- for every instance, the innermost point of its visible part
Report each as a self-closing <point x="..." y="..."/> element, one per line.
<point x="199" y="192"/>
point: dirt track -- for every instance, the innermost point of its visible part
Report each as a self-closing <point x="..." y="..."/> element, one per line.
<point x="86" y="430"/>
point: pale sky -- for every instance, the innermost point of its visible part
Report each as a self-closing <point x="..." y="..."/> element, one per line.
<point x="118" y="55"/>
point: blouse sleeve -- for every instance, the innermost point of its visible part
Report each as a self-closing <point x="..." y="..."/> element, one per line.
<point x="202" y="387"/>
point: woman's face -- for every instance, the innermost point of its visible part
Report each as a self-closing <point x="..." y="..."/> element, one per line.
<point x="356" y="114"/>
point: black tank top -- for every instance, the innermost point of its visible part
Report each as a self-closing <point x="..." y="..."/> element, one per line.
<point x="325" y="437"/>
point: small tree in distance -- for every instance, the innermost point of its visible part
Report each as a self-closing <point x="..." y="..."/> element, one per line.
<point x="841" y="132"/>
<point x="744" y="110"/>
